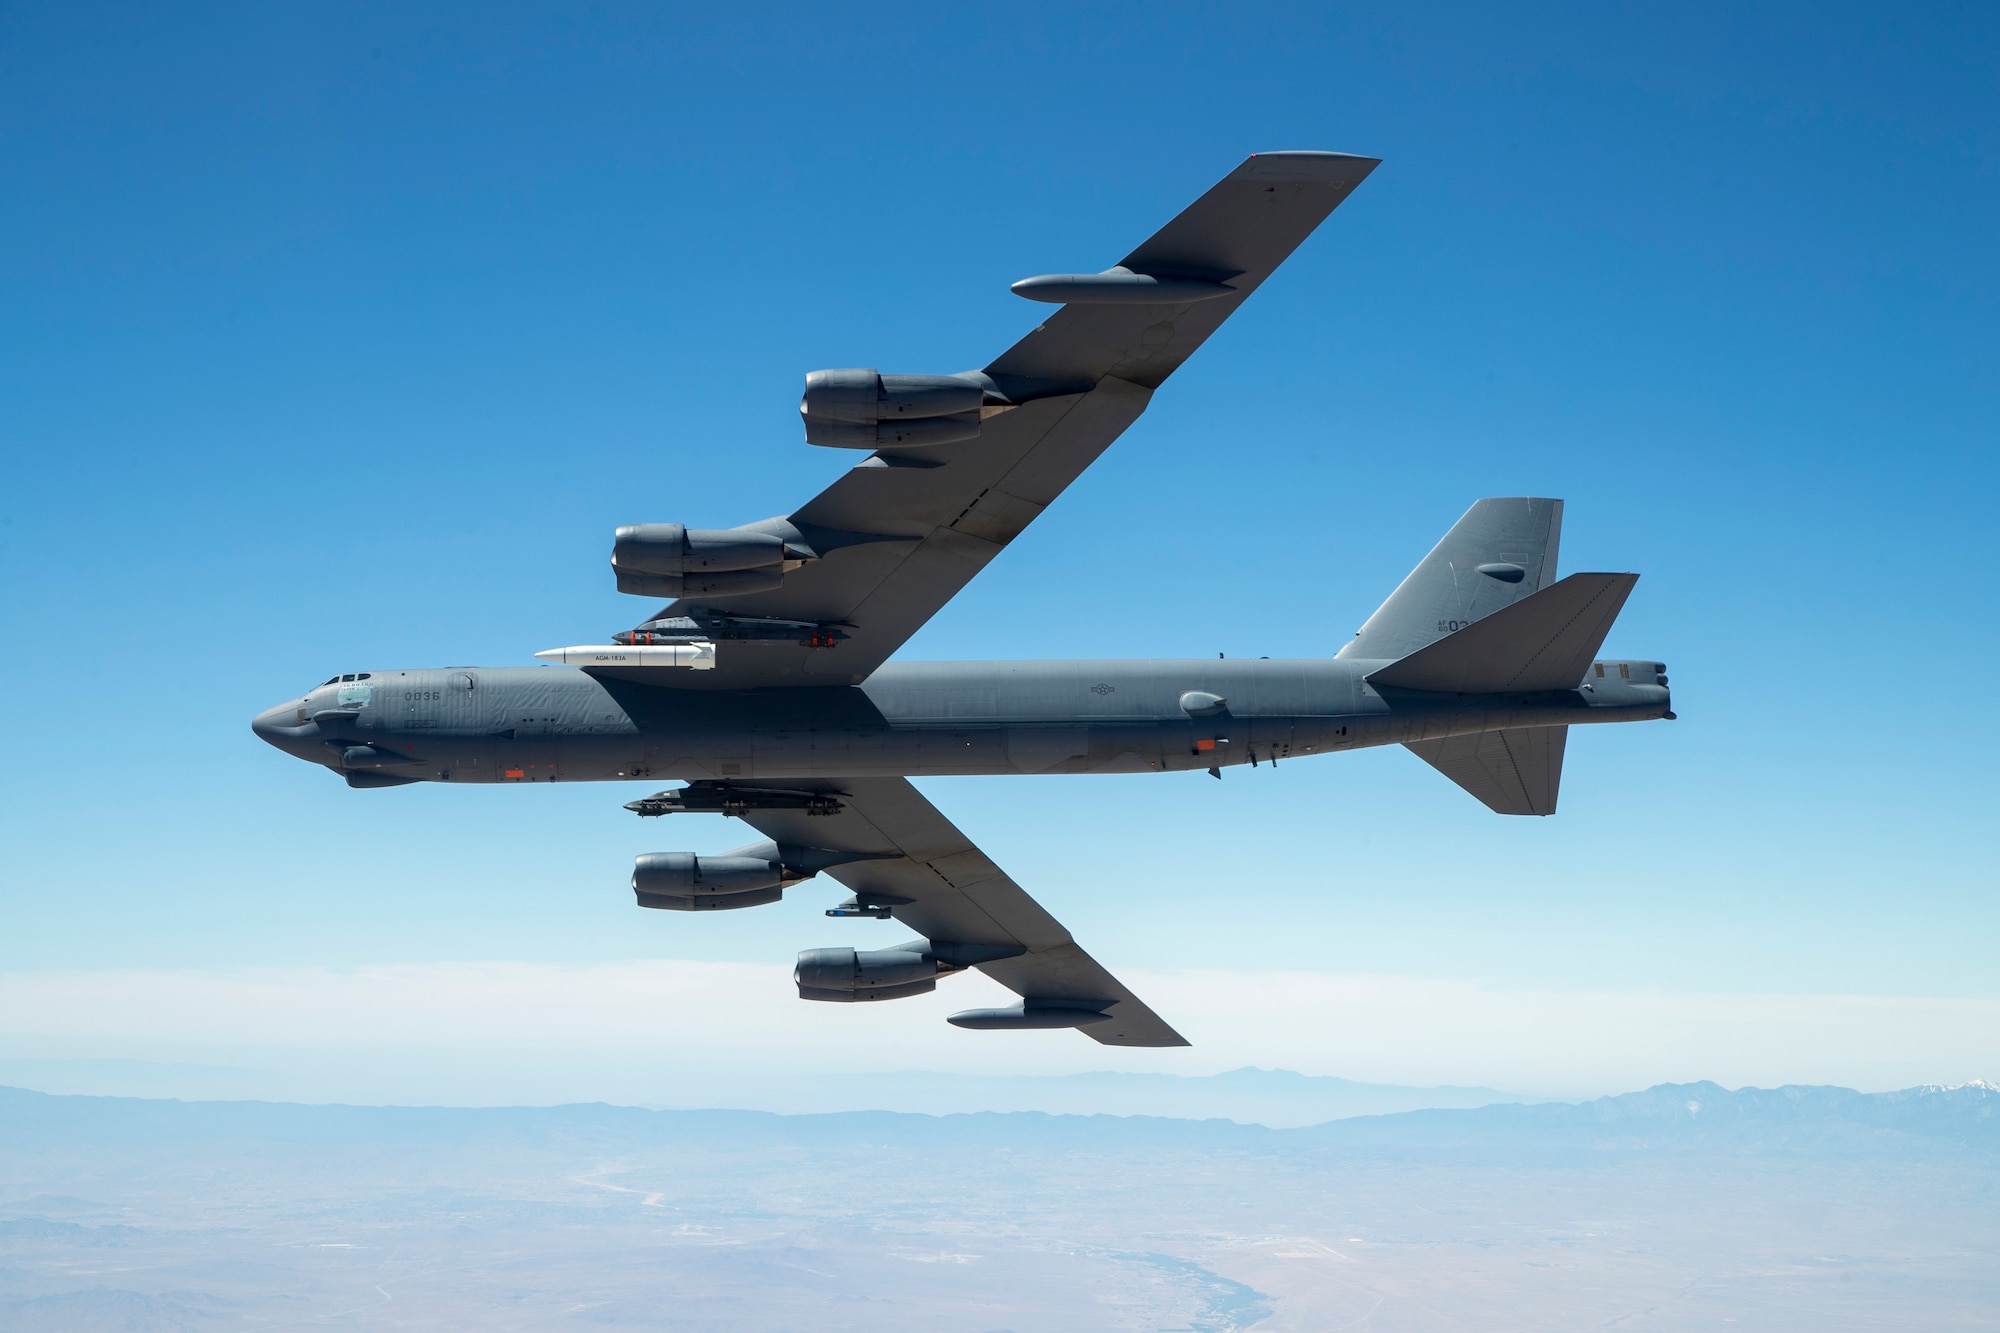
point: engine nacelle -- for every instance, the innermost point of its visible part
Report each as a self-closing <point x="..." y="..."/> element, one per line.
<point x="683" y="874"/>
<point x="710" y="902"/>
<point x="860" y="409"/>
<point x="673" y="560"/>
<point x="845" y="976"/>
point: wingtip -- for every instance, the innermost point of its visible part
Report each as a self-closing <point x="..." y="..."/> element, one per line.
<point x="1306" y="164"/>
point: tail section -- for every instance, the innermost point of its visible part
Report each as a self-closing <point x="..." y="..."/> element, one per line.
<point x="1545" y="641"/>
<point x="1485" y="614"/>
<point x="1500" y="552"/>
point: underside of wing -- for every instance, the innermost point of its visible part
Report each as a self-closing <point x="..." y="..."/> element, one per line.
<point x="851" y="576"/>
<point x="913" y="864"/>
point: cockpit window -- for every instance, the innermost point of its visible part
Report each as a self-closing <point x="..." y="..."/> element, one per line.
<point x="347" y="679"/>
<point x="330" y="680"/>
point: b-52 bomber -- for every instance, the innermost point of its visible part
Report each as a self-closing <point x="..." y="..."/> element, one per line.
<point x="765" y="685"/>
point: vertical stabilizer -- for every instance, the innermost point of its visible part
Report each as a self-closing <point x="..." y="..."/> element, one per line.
<point x="1501" y="551"/>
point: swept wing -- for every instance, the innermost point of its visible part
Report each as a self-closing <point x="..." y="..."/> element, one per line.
<point x="904" y="530"/>
<point x="934" y="880"/>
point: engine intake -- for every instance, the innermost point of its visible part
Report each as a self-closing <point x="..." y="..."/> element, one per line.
<point x="861" y="409"/>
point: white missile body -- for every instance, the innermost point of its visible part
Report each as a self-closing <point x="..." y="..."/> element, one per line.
<point x="696" y="656"/>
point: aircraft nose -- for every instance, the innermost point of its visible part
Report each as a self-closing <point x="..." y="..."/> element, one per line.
<point x="277" y="725"/>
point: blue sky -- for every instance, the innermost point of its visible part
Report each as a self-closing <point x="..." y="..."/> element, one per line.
<point x="339" y="338"/>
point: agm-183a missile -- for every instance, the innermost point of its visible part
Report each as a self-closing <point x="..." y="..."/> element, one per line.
<point x="695" y="656"/>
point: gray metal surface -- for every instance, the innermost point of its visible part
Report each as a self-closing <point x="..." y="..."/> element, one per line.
<point x="1516" y="772"/>
<point x="1447" y="591"/>
<point x="1545" y="641"/>
<point x="951" y="891"/>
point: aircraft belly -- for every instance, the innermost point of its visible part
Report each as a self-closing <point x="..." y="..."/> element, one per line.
<point x="1326" y="734"/>
<point x="600" y="756"/>
<point x="1124" y="747"/>
<point x="1040" y="748"/>
<point x="962" y="750"/>
<point x="519" y="760"/>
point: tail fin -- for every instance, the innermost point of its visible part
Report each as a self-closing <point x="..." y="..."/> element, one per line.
<point x="1545" y="641"/>
<point x="1501" y="551"/>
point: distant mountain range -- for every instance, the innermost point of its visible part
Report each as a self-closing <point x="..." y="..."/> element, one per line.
<point x="1791" y="1118"/>
<point x="1268" y="1098"/>
<point x="1669" y="1116"/>
<point x="1275" y="1097"/>
<point x="1278" y="1098"/>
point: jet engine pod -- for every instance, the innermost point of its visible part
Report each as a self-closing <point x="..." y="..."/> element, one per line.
<point x="672" y="560"/>
<point x="683" y="874"/>
<point x="892" y="434"/>
<point x="860" y="409"/>
<point x="844" y="976"/>
<point x="684" y="882"/>
<point x="726" y="584"/>
<point x="710" y="902"/>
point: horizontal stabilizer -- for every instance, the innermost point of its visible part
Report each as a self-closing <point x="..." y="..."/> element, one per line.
<point x="1511" y="772"/>
<point x="1545" y="641"/>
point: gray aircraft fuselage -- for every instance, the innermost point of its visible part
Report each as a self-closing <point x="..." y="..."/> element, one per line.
<point x="915" y="719"/>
